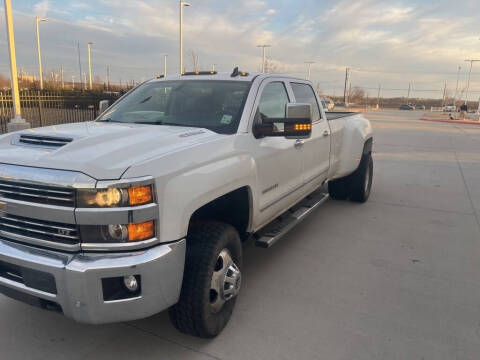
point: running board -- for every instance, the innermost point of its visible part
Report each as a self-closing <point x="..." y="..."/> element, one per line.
<point x="272" y="232"/>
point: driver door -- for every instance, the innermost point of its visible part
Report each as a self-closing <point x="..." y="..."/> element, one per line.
<point x="278" y="159"/>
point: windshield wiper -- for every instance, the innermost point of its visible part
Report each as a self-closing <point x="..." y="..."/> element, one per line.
<point x="109" y="120"/>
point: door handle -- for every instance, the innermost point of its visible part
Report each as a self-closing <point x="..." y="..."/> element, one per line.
<point x="299" y="144"/>
<point x="326" y="133"/>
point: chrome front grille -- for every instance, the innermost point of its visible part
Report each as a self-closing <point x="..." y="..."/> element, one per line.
<point x="39" y="232"/>
<point x="42" y="194"/>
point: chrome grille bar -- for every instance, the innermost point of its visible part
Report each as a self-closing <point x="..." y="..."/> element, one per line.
<point x="15" y="227"/>
<point x="37" y="193"/>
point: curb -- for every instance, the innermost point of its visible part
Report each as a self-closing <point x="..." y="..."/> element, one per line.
<point x="469" y="122"/>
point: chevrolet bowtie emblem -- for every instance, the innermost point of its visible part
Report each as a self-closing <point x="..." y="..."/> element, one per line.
<point x="3" y="206"/>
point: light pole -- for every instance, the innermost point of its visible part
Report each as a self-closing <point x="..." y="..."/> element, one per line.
<point x="309" y="64"/>
<point x="17" y="123"/>
<point x="182" y="4"/>
<point x="37" y="20"/>
<point x="90" y="63"/>
<point x="165" y="65"/>
<point x="264" y="57"/>
<point x="468" y="81"/>
<point x="456" y="87"/>
<point x="213" y="67"/>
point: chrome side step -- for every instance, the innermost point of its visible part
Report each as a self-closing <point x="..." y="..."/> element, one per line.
<point x="272" y="232"/>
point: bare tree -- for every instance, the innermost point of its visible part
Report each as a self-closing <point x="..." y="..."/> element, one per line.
<point x="194" y="58"/>
<point x="356" y="95"/>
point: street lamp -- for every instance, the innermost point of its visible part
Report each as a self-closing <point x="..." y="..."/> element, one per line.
<point x="182" y="4"/>
<point x="165" y="65"/>
<point x="309" y="64"/>
<point x="90" y="63"/>
<point x="264" y="58"/>
<point x="37" y="20"/>
<point x="17" y="123"/>
<point x="468" y="81"/>
<point x="456" y="87"/>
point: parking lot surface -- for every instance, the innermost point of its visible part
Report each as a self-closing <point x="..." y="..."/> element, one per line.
<point x="395" y="278"/>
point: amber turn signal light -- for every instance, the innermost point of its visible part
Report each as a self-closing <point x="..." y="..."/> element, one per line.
<point x="141" y="231"/>
<point x="140" y="195"/>
<point x="303" y="127"/>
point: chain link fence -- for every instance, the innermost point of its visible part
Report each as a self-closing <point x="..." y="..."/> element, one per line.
<point x="43" y="108"/>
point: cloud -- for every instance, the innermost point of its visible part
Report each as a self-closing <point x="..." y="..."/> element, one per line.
<point x="41" y="8"/>
<point x="388" y="42"/>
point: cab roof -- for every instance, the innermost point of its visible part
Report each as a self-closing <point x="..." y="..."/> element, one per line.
<point x="247" y="76"/>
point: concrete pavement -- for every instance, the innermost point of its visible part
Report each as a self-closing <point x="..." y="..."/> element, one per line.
<point x="395" y="278"/>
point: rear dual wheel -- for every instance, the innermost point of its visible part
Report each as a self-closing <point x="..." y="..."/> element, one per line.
<point x="357" y="186"/>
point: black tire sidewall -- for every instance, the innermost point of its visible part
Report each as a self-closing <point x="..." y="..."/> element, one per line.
<point x="215" y="322"/>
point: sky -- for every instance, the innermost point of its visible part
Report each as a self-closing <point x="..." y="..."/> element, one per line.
<point x="387" y="43"/>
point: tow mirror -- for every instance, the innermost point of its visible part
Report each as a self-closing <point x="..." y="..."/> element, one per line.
<point x="296" y="124"/>
<point x="102" y="106"/>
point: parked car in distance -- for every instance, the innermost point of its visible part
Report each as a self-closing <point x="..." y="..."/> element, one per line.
<point x="406" y="107"/>
<point x="420" y="107"/>
<point x="327" y="104"/>
<point x="448" y="108"/>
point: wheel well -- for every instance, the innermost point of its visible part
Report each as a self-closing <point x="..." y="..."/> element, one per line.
<point x="367" y="147"/>
<point x="232" y="208"/>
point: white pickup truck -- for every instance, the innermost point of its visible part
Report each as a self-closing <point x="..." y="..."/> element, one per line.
<point x="146" y="207"/>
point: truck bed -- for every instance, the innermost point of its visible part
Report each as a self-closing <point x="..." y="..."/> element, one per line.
<point x="338" y="114"/>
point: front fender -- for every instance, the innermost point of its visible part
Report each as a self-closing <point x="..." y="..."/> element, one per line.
<point x="183" y="192"/>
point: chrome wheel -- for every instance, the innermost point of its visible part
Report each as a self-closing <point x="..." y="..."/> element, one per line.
<point x="226" y="281"/>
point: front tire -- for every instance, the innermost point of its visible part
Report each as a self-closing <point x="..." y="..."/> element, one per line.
<point x="211" y="280"/>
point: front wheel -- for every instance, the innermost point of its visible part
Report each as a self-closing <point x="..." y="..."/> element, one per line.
<point x="211" y="281"/>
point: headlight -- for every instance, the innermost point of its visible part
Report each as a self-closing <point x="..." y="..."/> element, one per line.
<point x="115" y="197"/>
<point x="118" y="233"/>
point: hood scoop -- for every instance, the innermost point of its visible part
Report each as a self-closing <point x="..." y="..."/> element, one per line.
<point x="42" y="141"/>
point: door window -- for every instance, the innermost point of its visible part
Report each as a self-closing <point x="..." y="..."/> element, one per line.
<point x="272" y="102"/>
<point x="304" y="94"/>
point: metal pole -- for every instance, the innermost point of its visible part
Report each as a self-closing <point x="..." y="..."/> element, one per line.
<point x="213" y="67"/>
<point x="309" y="64"/>
<point x="456" y="86"/>
<point x="408" y="93"/>
<point x="17" y="123"/>
<point x="444" y="93"/>
<point x="345" y="91"/>
<point x="108" y="78"/>
<point x="37" y="20"/>
<point x="165" y="65"/>
<point x="468" y="81"/>
<point x="378" y="96"/>
<point x="182" y="4"/>
<point x="90" y="64"/>
<point x="79" y="66"/>
<point x="73" y="82"/>
<point x="264" y="56"/>
<point x="63" y="80"/>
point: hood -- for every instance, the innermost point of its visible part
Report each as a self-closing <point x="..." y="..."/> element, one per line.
<point x="101" y="150"/>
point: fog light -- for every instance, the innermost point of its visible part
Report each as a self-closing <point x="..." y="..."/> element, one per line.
<point x="130" y="283"/>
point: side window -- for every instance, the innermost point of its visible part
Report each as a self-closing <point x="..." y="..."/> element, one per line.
<point x="304" y="94"/>
<point x="273" y="102"/>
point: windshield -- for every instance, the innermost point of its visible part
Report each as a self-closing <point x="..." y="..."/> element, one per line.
<point x="211" y="104"/>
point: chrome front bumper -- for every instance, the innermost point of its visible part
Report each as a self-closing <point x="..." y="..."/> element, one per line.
<point x="78" y="280"/>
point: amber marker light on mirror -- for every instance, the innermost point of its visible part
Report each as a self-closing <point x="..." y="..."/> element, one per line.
<point x="141" y="231"/>
<point x="140" y="195"/>
<point x="303" y="127"/>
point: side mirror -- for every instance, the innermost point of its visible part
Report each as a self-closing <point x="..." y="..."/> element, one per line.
<point x="102" y="106"/>
<point x="296" y="124"/>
